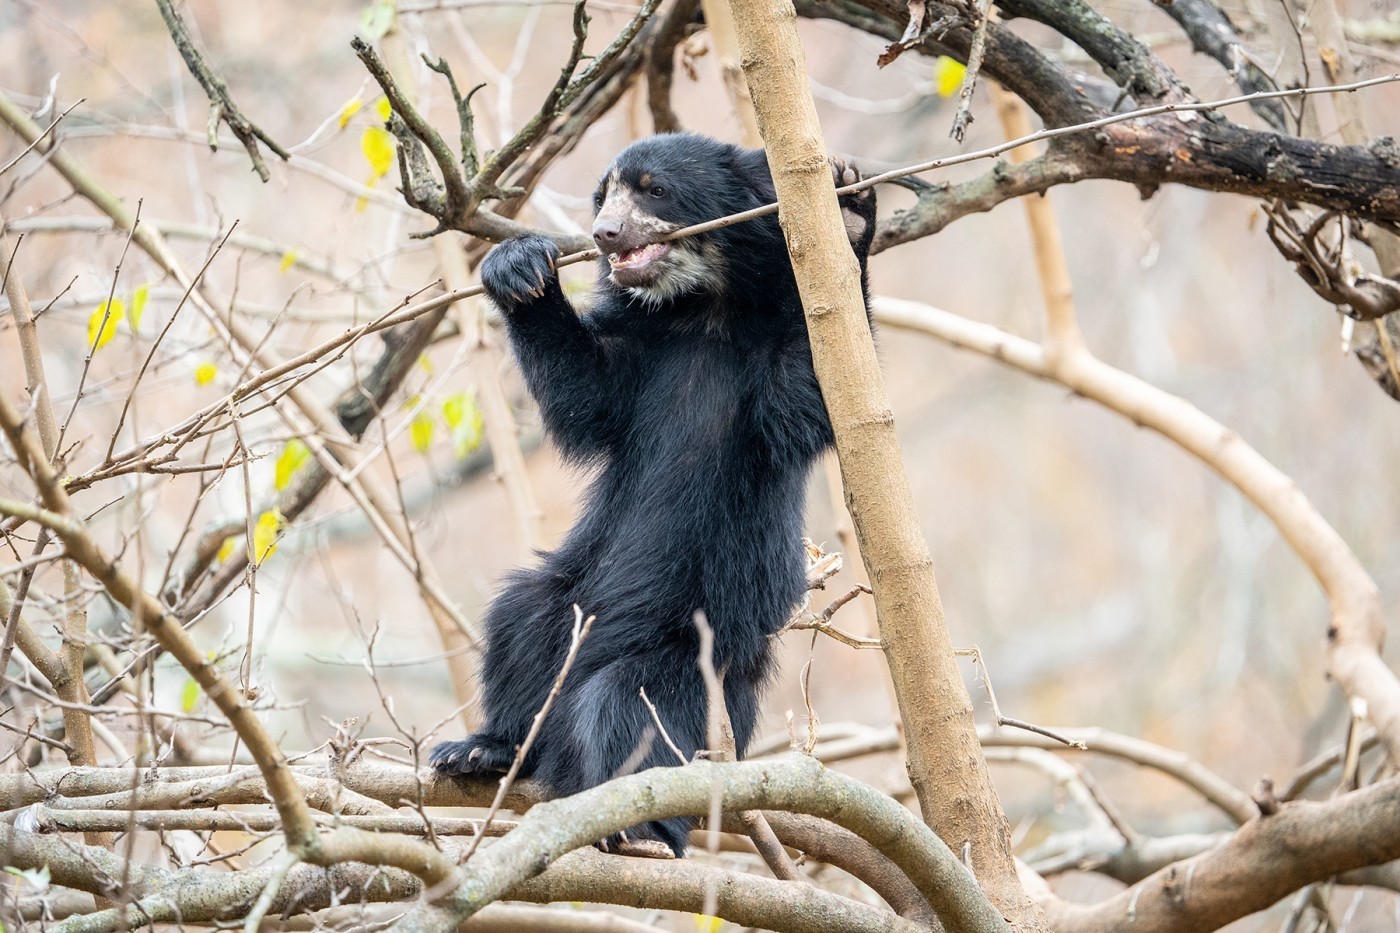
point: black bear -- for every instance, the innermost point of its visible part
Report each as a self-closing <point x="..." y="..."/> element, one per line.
<point x="688" y="386"/>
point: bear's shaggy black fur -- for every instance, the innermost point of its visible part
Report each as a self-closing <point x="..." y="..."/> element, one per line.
<point x="688" y="385"/>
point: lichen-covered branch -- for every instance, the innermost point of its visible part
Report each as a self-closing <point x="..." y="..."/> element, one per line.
<point x="1211" y="33"/>
<point x="222" y="107"/>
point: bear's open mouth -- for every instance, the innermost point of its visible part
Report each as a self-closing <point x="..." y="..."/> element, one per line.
<point x="639" y="258"/>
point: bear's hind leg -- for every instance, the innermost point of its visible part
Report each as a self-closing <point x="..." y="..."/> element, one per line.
<point x="527" y="635"/>
<point x="613" y="733"/>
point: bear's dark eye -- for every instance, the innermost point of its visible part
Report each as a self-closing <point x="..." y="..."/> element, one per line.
<point x="657" y="191"/>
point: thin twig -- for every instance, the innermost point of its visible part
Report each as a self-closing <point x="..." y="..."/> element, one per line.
<point x="580" y="632"/>
<point x="963" y="117"/>
<point x="1001" y="720"/>
<point x="660" y="728"/>
<point x="716" y="715"/>
<point x="40" y="138"/>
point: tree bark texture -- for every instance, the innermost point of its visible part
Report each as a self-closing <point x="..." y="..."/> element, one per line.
<point x="945" y="762"/>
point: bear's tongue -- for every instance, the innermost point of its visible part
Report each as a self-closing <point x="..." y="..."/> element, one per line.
<point x="637" y="258"/>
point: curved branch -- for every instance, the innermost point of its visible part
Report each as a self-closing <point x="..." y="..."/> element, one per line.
<point x="795" y="784"/>
<point x="747" y="900"/>
<point x="818" y="839"/>
<point x="1261" y="863"/>
<point x="1131" y="64"/>
<point x="1357" y="631"/>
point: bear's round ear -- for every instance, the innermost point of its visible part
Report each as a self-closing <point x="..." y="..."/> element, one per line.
<point x="751" y="165"/>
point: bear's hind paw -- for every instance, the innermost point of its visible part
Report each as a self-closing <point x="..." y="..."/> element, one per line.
<point x="476" y="754"/>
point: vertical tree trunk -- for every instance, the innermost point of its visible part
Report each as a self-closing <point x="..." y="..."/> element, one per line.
<point x="946" y="766"/>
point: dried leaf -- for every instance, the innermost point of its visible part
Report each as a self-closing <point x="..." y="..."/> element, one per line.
<point x="918" y="11"/>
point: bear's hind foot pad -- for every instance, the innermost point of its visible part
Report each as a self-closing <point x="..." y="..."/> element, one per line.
<point x="476" y="754"/>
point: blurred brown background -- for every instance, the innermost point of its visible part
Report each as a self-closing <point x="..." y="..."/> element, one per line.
<point x="1108" y="578"/>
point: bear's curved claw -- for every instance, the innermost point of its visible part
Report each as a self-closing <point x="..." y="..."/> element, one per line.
<point x="858" y="209"/>
<point x="520" y="270"/>
<point x="476" y="754"/>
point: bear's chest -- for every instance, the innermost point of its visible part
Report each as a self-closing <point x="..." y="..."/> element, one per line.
<point x="694" y="394"/>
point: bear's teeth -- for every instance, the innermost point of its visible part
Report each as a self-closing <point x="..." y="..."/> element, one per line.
<point x="640" y="256"/>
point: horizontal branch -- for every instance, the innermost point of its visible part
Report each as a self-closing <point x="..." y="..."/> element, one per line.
<point x="202" y="896"/>
<point x="165" y="788"/>
<point x="51" y="819"/>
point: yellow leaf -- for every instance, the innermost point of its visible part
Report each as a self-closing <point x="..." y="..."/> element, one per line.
<point x="383" y="108"/>
<point x="463" y="418"/>
<point x="352" y="107"/>
<point x="205" y="373"/>
<point x="362" y="202"/>
<point x="189" y="696"/>
<point x="377" y="144"/>
<point x="420" y="429"/>
<point x="294" y="454"/>
<point x="289" y="259"/>
<point x="265" y="532"/>
<point x="425" y="363"/>
<point x="138" y="305"/>
<point x="102" y="324"/>
<point x="948" y="73"/>
<point x="226" y="549"/>
<point x="377" y="18"/>
<point x="707" y="924"/>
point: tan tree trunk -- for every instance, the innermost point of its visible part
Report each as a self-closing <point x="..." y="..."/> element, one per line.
<point x="945" y="763"/>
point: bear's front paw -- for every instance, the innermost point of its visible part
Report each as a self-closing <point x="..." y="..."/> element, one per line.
<point x="520" y="270"/>
<point x="476" y="754"/>
<point x="857" y="210"/>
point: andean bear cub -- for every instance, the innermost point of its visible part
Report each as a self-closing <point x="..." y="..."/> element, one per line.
<point x="688" y="387"/>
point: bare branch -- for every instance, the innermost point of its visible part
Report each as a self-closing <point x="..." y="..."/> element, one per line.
<point x="222" y="107"/>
